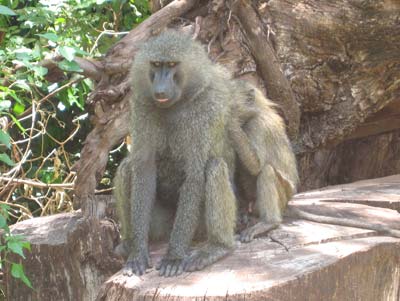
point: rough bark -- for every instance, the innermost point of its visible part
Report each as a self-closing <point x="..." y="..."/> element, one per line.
<point x="352" y="160"/>
<point x="71" y="257"/>
<point x="342" y="60"/>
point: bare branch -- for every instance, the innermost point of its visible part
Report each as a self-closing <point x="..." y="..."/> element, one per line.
<point x="91" y="68"/>
<point x="67" y="186"/>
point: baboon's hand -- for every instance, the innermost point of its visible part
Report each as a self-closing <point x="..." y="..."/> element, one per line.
<point x="170" y="267"/>
<point x="244" y="113"/>
<point x="136" y="264"/>
<point x="198" y="260"/>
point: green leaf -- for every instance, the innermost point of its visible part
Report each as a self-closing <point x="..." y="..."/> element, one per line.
<point x="17" y="271"/>
<point x="26" y="245"/>
<point x="50" y="36"/>
<point x="40" y="71"/>
<point x="26" y="280"/>
<point x="23" y="54"/>
<point x="18" y="108"/>
<point x="16" y="247"/>
<point x="6" y="159"/>
<point x="80" y="51"/>
<point x="5" y="139"/>
<point x="4" y="208"/>
<point x="69" y="66"/>
<point x="67" y="52"/>
<point x="3" y="221"/>
<point x="59" y="21"/>
<point x="4" y="10"/>
<point x="23" y="85"/>
<point x="16" y="121"/>
<point x="12" y="94"/>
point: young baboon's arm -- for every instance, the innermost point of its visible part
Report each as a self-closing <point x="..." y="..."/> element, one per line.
<point x="244" y="111"/>
<point x="244" y="149"/>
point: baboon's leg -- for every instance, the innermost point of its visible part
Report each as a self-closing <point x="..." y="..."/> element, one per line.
<point x="220" y="217"/>
<point x="270" y="195"/>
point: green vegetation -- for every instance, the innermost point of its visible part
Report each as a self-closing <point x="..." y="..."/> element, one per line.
<point x="12" y="244"/>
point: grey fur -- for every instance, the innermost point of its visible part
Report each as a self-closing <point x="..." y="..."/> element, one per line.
<point x="176" y="155"/>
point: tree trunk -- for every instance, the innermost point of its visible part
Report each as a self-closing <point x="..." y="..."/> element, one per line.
<point x="70" y="257"/>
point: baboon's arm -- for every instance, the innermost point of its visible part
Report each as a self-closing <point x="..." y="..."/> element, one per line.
<point x="143" y="192"/>
<point x="142" y="195"/>
<point x="187" y="216"/>
<point x="244" y="149"/>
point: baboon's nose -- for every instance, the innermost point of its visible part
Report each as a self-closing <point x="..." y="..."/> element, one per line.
<point x="160" y="95"/>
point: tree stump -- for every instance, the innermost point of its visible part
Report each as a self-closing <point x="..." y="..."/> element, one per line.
<point x="71" y="257"/>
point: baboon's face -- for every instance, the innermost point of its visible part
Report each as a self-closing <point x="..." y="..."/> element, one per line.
<point x="166" y="82"/>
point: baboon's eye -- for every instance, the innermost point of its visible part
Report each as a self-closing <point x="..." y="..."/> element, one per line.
<point x="172" y="64"/>
<point x="156" y="64"/>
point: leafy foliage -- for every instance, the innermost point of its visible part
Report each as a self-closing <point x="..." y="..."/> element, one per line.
<point x="42" y="117"/>
<point x="12" y="244"/>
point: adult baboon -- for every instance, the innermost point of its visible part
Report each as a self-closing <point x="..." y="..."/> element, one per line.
<point x="181" y="156"/>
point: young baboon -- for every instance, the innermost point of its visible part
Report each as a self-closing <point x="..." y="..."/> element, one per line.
<point x="181" y="157"/>
<point x="266" y="174"/>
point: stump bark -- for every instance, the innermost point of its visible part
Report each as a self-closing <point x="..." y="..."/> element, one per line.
<point x="72" y="257"/>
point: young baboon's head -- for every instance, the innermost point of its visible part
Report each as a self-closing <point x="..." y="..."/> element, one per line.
<point x="169" y="68"/>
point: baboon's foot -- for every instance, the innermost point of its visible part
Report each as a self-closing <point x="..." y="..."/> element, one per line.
<point x="170" y="267"/>
<point x="260" y="228"/>
<point x="136" y="264"/>
<point x="205" y="256"/>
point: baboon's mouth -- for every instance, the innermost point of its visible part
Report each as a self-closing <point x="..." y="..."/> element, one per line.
<point x="162" y="99"/>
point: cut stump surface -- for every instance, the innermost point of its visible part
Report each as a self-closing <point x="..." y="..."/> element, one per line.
<point x="300" y="260"/>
